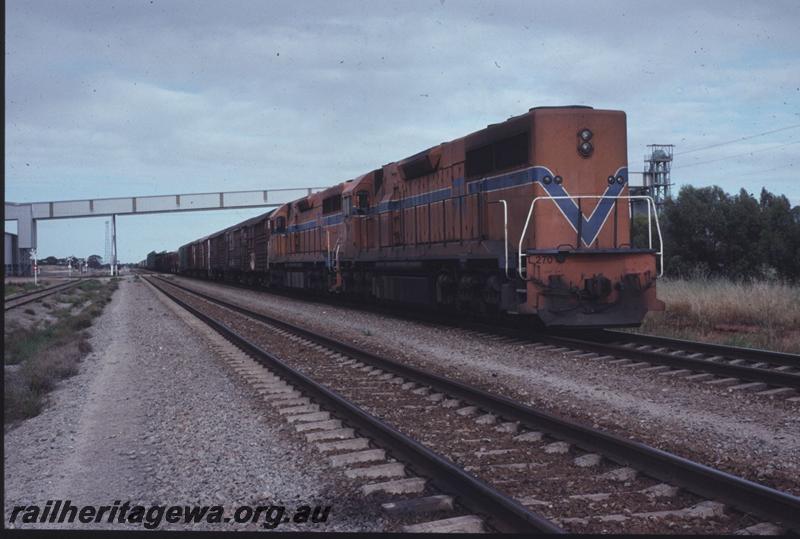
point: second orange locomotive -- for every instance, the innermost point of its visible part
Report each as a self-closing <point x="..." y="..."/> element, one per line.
<point x="530" y="216"/>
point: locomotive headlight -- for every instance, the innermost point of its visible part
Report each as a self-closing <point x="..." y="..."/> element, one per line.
<point x="559" y="180"/>
<point x="585" y="135"/>
<point x="585" y="149"/>
<point x="620" y="180"/>
<point x="611" y="180"/>
<point x="547" y="180"/>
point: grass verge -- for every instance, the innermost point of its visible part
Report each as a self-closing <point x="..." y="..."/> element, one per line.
<point x="758" y="314"/>
<point x="37" y="357"/>
<point x="17" y="288"/>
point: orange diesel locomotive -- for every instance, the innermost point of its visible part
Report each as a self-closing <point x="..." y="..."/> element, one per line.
<point x="531" y="216"/>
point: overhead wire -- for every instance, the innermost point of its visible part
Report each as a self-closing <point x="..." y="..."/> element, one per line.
<point x="767" y="170"/>
<point x="735" y="156"/>
<point x="748" y="137"/>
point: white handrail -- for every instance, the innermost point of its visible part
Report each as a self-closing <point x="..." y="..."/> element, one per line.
<point x="505" y="233"/>
<point x="649" y="200"/>
<point x="505" y="230"/>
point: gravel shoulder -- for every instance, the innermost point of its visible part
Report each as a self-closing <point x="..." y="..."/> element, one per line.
<point x="750" y="436"/>
<point x="153" y="418"/>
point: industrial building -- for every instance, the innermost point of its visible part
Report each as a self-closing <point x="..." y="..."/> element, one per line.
<point x="15" y="261"/>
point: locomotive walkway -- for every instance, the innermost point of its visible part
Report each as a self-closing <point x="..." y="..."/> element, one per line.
<point x="625" y="476"/>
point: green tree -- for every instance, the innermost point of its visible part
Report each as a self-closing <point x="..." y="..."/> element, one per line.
<point x="94" y="261"/>
<point x="694" y="232"/>
<point x="740" y="249"/>
<point x="639" y="232"/>
<point x="779" y="238"/>
<point x="737" y="236"/>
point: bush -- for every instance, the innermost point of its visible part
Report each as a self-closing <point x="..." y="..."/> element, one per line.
<point x="50" y="352"/>
<point x="82" y="323"/>
<point x="19" y="400"/>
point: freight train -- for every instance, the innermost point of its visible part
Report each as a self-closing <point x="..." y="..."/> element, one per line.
<point x="528" y="217"/>
<point x="164" y="262"/>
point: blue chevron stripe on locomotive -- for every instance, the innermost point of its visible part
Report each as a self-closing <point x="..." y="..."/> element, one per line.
<point x="590" y="227"/>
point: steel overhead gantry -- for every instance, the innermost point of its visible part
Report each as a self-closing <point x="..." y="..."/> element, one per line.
<point x="28" y="213"/>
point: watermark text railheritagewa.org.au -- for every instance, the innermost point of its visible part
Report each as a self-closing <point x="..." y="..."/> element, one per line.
<point x="152" y="516"/>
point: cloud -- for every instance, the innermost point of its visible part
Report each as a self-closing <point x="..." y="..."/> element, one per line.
<point x="133" y="98"/>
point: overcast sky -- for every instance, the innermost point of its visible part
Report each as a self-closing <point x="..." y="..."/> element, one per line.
<point x="116" y="98"/>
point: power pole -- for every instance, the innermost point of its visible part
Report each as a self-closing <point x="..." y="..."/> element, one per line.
<point x="35" y="268"/>
<point x="107" y="253"/>
<point x="114" y="245"/>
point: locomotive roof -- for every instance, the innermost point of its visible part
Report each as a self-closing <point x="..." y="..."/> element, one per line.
<point x="244" y="223"/>
<point x="479" y="136"/>
<point x="444" y="150"/>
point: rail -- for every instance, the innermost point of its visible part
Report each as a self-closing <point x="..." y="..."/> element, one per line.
<point x="18" y="300"/>
<point x="734" y="352"/>
<point x="703" y="480"/>
<point x="506" y="514"/>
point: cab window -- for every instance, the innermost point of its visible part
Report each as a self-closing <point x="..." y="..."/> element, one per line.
<point x="362" y="201"/>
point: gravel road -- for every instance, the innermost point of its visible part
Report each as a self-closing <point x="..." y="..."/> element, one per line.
<point x="152" y="417"/>
<point x="746" y="435"/>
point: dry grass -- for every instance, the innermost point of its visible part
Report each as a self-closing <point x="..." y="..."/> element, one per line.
<point x="10" y="289"/>
<point x="763" y="314"/>
<point x="42" y="355"/>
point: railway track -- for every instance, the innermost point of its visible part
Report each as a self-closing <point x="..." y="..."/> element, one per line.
<point x="507" y="515"/>
<point x="782" y="362"/>
<point x="34" y="295"/>
<point x="762" y="372"/>
<point x="741" y="369"/>
<point x="751" y="356"/>
<point x="561" y="474"/>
